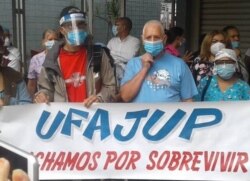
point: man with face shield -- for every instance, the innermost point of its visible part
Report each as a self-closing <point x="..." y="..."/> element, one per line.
<point x="74" y="28"/>
<point x="156" y="76"/>
<point x="225" y="85"/>
<point x="72" y="71"/>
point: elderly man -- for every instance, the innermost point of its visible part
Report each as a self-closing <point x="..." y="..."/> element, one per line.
<point x="123" y="46"/>
<point x="72" y="71"/>
<point x="156" y="76"/>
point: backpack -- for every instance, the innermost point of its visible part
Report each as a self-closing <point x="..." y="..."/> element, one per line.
<point x="95" y="53"/>
<point x="95" y="56"/>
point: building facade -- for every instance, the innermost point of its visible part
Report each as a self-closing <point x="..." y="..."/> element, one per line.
<point x="196" y="17"/>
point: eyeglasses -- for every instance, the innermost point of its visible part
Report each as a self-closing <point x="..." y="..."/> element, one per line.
<point x="224" y="61"/>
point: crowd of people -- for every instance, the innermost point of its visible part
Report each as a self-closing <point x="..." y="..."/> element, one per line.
<point x="74" y="69"/>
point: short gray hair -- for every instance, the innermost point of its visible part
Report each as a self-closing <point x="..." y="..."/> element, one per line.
<point x="156" y="22"/>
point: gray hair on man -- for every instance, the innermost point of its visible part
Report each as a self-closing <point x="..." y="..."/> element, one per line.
<point x="155" y="22"/>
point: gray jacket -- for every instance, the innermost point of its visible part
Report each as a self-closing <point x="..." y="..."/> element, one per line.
<point x="100" y="83"/>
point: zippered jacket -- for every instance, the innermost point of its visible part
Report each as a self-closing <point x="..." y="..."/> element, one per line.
<point x="100" y="83"/>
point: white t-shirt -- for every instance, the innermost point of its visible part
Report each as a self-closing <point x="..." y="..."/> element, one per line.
<point x="15" y="58"/>
<point x="122" y="51"/>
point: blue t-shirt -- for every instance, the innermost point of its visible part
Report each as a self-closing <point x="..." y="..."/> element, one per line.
<point x="168" y="80"/>
<point x="240" y="90"/>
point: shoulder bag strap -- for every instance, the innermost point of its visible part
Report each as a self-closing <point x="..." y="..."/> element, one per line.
<point x="205" y="88"/>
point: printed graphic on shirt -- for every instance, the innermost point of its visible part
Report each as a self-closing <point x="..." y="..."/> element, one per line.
<point x="76" y="79"/>
<point x="159" y="80"/>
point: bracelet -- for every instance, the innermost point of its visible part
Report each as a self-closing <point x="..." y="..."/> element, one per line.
<point x="2" y="94"/>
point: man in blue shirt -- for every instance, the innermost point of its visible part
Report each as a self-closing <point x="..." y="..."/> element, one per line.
<point x="156" y="76"/>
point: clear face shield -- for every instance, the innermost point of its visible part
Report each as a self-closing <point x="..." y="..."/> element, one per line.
<point x="76" y="27"/>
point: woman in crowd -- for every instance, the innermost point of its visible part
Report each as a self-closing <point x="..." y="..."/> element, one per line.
<point x="211" y="44"/>
<point x="48" y="38"/>
<point x="225" y="85"/>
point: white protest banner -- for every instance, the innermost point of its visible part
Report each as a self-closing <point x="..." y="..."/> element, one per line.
<point x="175" y="141"/>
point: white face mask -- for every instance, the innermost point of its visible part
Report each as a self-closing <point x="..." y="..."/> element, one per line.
<point x="215" y="48"/>
<point x="6" y="42"/>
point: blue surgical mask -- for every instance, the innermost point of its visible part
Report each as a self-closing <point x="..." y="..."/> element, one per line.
<point x="49" y="44"/>
<point x="114" y="30"/>
<point x="235" y="44"/>
<point x="225" y="71"/>
<point x="153" y="47"/>
<point x="76" y="38"/>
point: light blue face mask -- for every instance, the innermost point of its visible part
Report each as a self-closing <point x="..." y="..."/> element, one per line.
<point x="225" y="71"/>
<point x="114" y="30"/>
<point x="235" y="44"/>
<point x="49" y="44"/>
<point x="153" y="47"/>
<point x="76" y="38"/>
